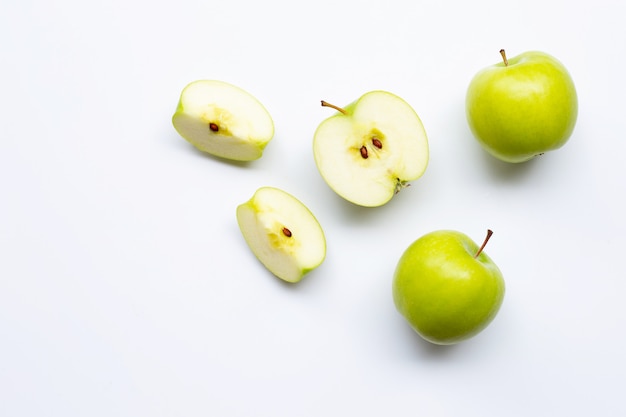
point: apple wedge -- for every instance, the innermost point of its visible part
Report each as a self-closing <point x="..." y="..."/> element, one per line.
<point x="371" y="149"/>
<point x="223" y="120"/>
<point x="282" y="233"/>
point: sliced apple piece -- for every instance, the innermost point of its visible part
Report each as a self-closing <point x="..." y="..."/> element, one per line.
<point x="282" y="233"/>
<point x="223" y="120"/>
<point x="371" y="149"/>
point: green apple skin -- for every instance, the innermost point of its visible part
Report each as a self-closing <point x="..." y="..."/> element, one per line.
<point x="444" y="293"/>
<point x="282" y="233"/>
<point x="523" y="109"/>
<point x="223" y="120"/>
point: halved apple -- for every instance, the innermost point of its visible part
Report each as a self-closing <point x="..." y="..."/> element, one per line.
<point x="371" y="149"/>
<point x="282" y="233"/>
<point x="223" y="120"/>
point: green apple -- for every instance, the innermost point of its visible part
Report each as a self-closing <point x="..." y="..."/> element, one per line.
<point x="223" y="120"/>
<point x="522" y="107"/>
<point x="282" y="233"/>
<point x="371" y="148"/>
<point x="446" y="287"/>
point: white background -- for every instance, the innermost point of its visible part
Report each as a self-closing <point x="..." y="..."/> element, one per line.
<point x="126" y="288"/>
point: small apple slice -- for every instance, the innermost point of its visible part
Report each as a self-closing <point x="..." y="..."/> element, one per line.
<point x="282" y="233"/>
<point x="223" y="120"/>
<point x="371" y="149"/>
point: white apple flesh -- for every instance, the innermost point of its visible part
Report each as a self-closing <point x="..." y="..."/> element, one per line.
<point x="282" y="233"/>
<point x="223" y="120"/>
<point x="371" y="148"/>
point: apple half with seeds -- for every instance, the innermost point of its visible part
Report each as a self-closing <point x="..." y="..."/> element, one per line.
<point x="371" y="149"/>
<point x="223" y="120"/>
<point x="282" y="233"/>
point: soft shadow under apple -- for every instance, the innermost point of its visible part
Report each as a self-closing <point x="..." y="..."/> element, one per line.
<point x="428" y="350"/>
<point x="507" y="171"/>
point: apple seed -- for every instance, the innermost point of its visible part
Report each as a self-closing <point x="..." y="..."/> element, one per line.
<point x="364" y="152"/>
<point x="214" y="127"/>
<point x="286" y="232"/>
<point x="376" y="142"/>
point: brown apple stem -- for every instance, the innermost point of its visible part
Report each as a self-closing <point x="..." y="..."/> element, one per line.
<point x="506" y="61"/>
<point x="332" y="106"/>
<point x="489" y="233"/>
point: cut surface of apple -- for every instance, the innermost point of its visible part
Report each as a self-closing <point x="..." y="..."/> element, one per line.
<point x="223" y="120"/>
<point x="371" y="149"/>
<point x="282" y="233"/>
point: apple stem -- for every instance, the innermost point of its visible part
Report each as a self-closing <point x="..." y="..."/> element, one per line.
<point x="489" y="233"/>
<point x="332" y="106"/>
<point x="506" y="61"/>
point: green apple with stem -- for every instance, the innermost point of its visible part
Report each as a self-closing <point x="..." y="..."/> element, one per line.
<point x="522" y="107"/>
<point x="446" y="287"/>
<point x="223" y="120"/>
<point x="282" y="233"/>
<point x="371" y="149"/>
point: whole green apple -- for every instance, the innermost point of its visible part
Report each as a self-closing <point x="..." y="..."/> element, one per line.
<point x="446" y="287"/>
<point x="522" y="107"/>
